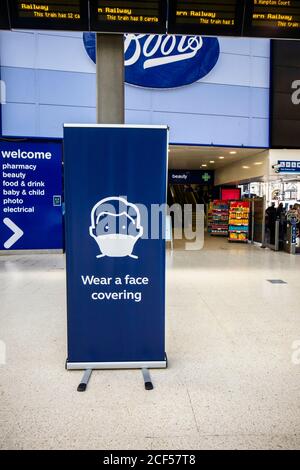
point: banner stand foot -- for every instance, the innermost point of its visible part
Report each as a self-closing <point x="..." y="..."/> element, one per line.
<point x="147" y="379"/>
<point x="85" y="380"/>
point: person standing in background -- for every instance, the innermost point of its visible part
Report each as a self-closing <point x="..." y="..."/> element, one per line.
<point x="280" y="215"/>
<point x="271" y="214"/>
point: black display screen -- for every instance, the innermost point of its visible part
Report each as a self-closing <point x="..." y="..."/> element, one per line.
<point x="285" y="94"/>
<point x="272" y="18"/>
<point x="216" y="17"/>
<point x="4" y="20"/>
<point x="128" y="16"/>
<point x="68" y="15"/>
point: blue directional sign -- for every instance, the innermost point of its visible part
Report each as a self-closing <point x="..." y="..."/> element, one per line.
<point x="289" y="166"/>
<point x="115" y="245"/>
<point x="31" y="195"/>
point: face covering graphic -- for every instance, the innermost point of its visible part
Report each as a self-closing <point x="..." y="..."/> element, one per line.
<point x="116" y="227"/>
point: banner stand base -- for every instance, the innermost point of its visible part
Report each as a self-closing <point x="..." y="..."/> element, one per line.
<point x="89" y="367"/>
<point x="117" y="365"/>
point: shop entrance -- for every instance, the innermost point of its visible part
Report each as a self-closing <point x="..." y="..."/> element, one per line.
<point x="261" y="212"/>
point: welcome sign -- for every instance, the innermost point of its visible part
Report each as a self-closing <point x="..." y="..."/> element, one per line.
<point x="31" y="195"/>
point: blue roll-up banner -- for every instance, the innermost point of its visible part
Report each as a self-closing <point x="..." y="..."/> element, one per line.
<point x="31" y="195"/>
<point x="114" y="176"/>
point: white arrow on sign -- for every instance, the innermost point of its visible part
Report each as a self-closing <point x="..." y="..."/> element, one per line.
<point x="18" y="233"/>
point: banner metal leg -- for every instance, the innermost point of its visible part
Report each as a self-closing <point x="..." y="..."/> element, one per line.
<point x="85" y="380"/>
<point x="88" y="372"/>
<point x="147" y="379"/>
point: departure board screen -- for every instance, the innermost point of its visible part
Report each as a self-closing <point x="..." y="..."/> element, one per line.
<point x="272" y="18"/>
<point x="4" y="21"/>
<point x="128" y="16"/>
<point x="210" y="17"/>
<point x="69" y="15"/>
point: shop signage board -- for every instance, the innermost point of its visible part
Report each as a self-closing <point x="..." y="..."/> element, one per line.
<point x="285" y="94"/>
<point x="163" y="61"/>
<point x="202" y="177"/>
<point x="115" y="270"/>
<point x="31" y="196"/>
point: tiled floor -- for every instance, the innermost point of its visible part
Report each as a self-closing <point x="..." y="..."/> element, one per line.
<point x="231" y="381"/>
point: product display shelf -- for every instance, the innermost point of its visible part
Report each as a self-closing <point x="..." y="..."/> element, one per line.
<point x="219" y="224"/>
<point x="238" y="224"/>
<point x="209" y="216"/>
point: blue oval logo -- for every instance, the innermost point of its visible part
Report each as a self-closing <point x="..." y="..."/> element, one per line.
<point x="163" y="61"/>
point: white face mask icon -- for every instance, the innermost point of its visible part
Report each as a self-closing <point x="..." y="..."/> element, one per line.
<point x="116" y="226"/>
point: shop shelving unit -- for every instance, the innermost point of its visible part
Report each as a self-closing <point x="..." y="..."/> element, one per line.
<point x="238" y="225"/>
<point x="209" y="216"/>
<point x="219" y="223"/>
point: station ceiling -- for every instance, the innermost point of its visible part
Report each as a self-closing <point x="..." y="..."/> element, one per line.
<point x="211" y="158"/>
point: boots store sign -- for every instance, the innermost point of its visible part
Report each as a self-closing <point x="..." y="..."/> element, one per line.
<point x="164" y="61"/>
